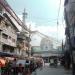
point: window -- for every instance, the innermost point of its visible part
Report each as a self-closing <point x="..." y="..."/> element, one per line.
<point x="13" y="40"/>
<point x="10" y="37"/>
<point x="5" y="36"/>
<point x="6" y="24"/>
<point x="9" y="27"/>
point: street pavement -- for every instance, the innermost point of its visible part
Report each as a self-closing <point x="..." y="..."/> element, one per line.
<point x="52" y="71"/>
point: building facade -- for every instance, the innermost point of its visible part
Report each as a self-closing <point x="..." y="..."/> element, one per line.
<point x="46" y="44"/>
<point x="8" y="32"/>
<point x="69" y="11"/>
<point x="12" y="39"/>
<point x="69" y="15"/>
<point x="23" y="39"/>
<point x="23" y="46"/>
<point x="42" y="45"/>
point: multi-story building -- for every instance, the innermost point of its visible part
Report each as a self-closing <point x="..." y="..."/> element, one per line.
<point x="42" y="45"/>
<point x="23" y="45"/>
<point x="10" y="25"/>
<point x="23" y="40"/>
<point x="69" y="11"/>
<point x="8" y="31"/>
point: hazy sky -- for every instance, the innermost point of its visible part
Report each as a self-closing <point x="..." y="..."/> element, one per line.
<point x="42" y="14"/>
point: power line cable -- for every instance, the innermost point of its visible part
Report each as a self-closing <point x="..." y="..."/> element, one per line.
<point x="58" y="18"/>
<point x="58" y="12"/>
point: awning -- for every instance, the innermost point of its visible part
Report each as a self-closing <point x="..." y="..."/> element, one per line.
<point x="4" y="54"/>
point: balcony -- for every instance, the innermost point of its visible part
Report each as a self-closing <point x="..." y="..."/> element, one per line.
<point x="20" y="36"/>
<point x="28" y="39"/>
<point x="8" y="42"/>
<point x="23" y="35"/>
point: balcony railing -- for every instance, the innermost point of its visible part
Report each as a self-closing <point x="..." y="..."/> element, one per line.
<point x="7" y="42"/>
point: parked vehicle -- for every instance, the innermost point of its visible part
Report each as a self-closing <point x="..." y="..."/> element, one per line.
<point x="51" y="62"/>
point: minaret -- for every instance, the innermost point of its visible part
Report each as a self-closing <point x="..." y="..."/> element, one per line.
<point x="24" y="18"/>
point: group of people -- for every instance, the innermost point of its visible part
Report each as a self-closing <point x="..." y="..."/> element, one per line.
<point x="12" y="68"/>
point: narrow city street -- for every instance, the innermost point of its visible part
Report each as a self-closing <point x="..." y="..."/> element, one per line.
<point x="52" y="71"/>
<point x="37" y="37"/>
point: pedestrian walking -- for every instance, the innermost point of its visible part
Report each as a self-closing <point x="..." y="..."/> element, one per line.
<point x="14" y="68"/>
<point x="55" y="62"/>
<point x="20" y="69"/>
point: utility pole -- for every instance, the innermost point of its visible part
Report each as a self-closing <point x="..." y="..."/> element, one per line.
<point x="24" y="28"/>
<point x="29" y="51"/>
<point x="62" y="47"/>
<point x="29" y="31"/>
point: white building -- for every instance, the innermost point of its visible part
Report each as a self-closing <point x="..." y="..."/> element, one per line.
<point x="46" y="44"/>
<point x="41" y="41"/>
<point x="42" y="45"/>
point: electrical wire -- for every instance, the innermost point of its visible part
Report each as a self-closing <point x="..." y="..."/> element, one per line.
<point x="58" y="18"/>
<point x="58" y="12"/>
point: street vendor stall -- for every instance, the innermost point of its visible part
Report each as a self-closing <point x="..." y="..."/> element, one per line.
<point x="5" y="59"/>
